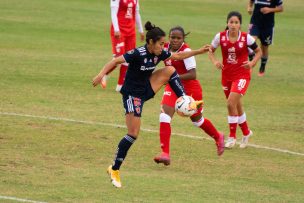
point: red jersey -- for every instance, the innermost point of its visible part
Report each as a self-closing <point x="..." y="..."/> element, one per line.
<point x="234" y="54"/>
<point x="183" y="66"/>
<point x="125" y="16"/>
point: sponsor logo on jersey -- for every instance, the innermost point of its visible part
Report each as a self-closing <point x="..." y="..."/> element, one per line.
<point x="144" y="68"/>
<point x="243" y="39"/>
<point x="223" y="38"/>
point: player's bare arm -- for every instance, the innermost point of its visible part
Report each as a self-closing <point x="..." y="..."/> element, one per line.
<point x="267" y="10"/>
<point x="250" y="7"/>
<point x="109" y="66"/>
<point x="186" y="54"/>
<point x="251" y="64"/>
<point x="212" y="58"/>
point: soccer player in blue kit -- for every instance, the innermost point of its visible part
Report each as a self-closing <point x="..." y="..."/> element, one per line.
<point x="141" y="84"/>
<point x="262" y="25"/>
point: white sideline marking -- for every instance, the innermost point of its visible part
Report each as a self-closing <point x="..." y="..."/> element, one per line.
<point x="19" y="200"/>
<point x="143" y="129"/>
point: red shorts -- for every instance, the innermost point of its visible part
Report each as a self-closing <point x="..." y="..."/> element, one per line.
<point x="123" y="44"/>
<point x="169" y="97"/>
<point x="239" y="86"/>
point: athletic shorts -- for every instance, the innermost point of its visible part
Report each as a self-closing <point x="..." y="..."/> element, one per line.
<point x="239" y="86"/>
<point x="134" y="104"/>
<point x="122" y="45"/>
<point x="264" y="34"/>
<point x="169" y="97"/>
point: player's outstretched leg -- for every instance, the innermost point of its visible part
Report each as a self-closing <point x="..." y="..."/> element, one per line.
<point x="210" y="129"/>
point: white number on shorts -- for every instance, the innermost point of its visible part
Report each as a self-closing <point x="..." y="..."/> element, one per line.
<point x="242" y="83"/>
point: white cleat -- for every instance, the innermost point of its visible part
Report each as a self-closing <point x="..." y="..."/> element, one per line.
<point x="245" y="140"/>
<point x="230" y="142"/>
<point x="118" y="88"/>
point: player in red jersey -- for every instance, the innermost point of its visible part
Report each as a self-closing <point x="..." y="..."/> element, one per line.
<point x="236" y="72"/>
<point x="187" y="71"/>
<point x="124" y="14"/>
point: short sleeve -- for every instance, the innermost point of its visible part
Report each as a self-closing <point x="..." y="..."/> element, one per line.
<point x="114" y="3"/>
<point x="190" y="62"/>
<point x="250" y="40"/>
<point x="164" y="55"/>
<point x="131" y="56"/>
<point x="216" y="41"/>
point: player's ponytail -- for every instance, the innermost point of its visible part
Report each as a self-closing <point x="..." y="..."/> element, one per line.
<point x="153" y="32"/>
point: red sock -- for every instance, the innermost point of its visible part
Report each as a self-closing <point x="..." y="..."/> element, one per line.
<point x="244" y="127"/>
<point x="232" y="127"/>
<point x="209" y="128"/>
<point x="164" y="135"/>
<point x="122" y="74"/>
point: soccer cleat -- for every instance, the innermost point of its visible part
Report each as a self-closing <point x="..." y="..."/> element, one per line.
<point x="261" y="71"/>
<point x="118" y="88"/>
<point x="220" y="144"/>
<point x="163" y="158"/>
<point x="104" y="81"/>
<point x="196" y="104"/>
<point x="230" y="142"/>
<point x="114" y="175"/>
<point x="245" y="140"/>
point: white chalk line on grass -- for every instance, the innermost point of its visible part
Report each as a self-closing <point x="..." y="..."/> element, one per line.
<point x="143" y="129"/>
<point x="19" y="199"/>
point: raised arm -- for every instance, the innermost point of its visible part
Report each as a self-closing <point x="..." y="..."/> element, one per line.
<point x="107" y="68"/>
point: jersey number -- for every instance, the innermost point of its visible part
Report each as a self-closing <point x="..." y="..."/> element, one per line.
<point x="242" y="83"/>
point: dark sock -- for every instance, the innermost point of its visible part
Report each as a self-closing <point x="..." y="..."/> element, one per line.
<point x="176" y="85"/>
<point x="122" y="150"/>
<point x="263" y="64"/>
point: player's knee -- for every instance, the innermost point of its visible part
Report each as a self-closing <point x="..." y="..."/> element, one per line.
<point x="231" y="104"/>
<point x="164" y="118"/>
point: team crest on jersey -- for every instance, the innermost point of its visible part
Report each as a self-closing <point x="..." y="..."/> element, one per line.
<point x="223" y="38"/>
<point x="224" y="44"/>
<point x="155" y="59"/>
<point x="241" y="44"/>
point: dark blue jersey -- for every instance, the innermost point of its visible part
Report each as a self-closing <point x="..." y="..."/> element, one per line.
<point x="141" y="65"/>
<point x="260" y="19"/>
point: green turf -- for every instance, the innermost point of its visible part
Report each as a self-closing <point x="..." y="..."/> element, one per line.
<point x="49" y="52"/>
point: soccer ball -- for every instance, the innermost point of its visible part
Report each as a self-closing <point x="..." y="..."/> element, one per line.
<point x="185" y="106"/>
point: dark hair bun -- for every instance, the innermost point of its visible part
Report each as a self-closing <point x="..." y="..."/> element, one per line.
<point x="149" y="26"/>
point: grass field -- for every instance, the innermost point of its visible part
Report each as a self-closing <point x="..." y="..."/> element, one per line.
<point x="49" y="52"/>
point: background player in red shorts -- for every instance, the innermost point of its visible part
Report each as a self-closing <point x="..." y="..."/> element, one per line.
<point x="187" y="71"/>
<point x="124" y="15"/>
<point x="235" y="72"/>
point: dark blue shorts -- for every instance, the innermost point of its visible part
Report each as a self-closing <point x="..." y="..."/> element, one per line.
<point x="134" y="104"/>
<point x="264" y="34"/>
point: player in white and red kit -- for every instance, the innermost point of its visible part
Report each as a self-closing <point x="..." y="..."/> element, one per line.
<point x="187" y="71"/>
<point x="124" y="14"/>
<point x="236" y="72"/>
